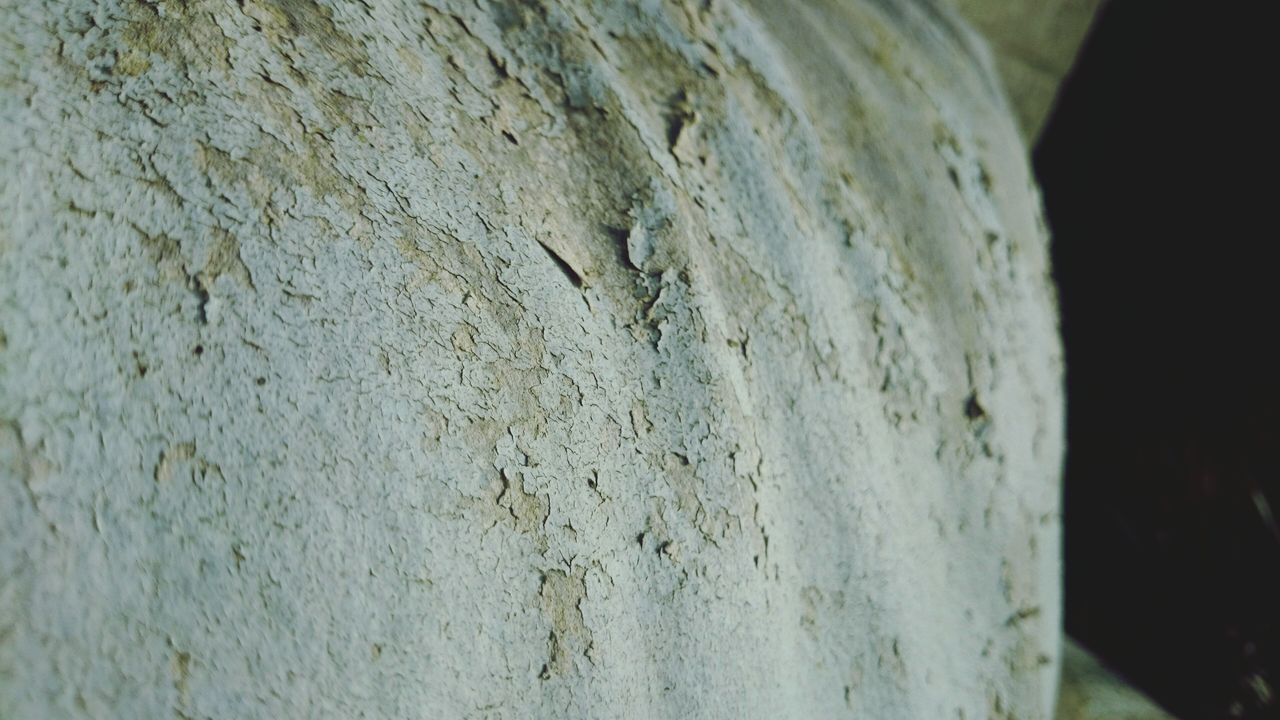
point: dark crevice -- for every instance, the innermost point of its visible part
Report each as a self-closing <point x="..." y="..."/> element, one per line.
<point x="202" y="296"/>
<point x="564" y="266"/>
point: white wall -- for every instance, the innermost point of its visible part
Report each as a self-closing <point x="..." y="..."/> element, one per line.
<point x="411" y="360"/>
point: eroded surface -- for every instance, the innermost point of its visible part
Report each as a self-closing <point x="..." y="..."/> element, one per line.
<point x="583" y="359"/>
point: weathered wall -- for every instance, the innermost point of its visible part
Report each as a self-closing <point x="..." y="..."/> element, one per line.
<point x="373" y="359"/>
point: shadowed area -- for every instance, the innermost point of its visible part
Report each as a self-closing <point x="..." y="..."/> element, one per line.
<point x="1172" y="548"/>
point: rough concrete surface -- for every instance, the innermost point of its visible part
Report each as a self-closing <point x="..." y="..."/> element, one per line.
<point x="520" y="359"/>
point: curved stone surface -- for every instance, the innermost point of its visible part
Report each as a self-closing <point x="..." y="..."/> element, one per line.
<point x="520" y="359"/>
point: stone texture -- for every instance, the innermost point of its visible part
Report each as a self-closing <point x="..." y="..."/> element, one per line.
<point x="520" y="359"/>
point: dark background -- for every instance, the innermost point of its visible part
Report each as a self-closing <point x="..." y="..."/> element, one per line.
<point x="1158" y="170"/>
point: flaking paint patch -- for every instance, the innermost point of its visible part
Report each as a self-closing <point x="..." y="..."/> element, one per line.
<point x="562" y="594"/>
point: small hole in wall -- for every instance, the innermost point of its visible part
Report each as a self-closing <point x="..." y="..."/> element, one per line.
<point x="972" y="409"/>
<point x="260" y="381"/>
<point x="199" y="350"/>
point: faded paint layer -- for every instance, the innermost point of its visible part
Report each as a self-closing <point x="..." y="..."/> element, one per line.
<point x="374" y="359"/>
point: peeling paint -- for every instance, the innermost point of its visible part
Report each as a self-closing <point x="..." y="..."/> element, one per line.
<point x="519" y="359"/>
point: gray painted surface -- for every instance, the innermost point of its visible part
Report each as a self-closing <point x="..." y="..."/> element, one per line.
<point x="451" y="359"/>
